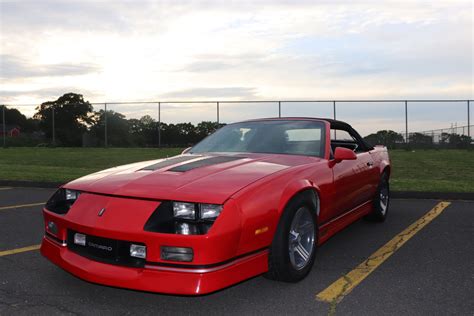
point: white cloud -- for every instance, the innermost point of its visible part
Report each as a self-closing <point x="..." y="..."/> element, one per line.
<point x="142" y="50"/>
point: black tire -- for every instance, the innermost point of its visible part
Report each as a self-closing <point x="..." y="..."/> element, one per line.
<point x="280" y="266"/>
<point x="381" y="200"/>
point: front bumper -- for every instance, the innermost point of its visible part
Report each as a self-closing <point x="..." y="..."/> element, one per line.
<point x="218" y="260"/>
<point x="162" y="279"/>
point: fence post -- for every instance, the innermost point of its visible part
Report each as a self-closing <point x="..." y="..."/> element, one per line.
<point x="105" y="125"/>
<point x="217" y="113"/>
<point x="54" y="127"/>
<point x="334" y="116"/>
<point x="4" y="127"/>
<point x="468" y="119"/>
<point x="159" y="124"/>
<point x="406" y="122"/>
<point x="279" y="108"/>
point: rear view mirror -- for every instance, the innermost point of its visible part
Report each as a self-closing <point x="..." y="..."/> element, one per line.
<point x="342" y="153"/>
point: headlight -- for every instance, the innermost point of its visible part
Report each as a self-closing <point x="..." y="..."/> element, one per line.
<point x="189" y="211"/>
<point x="183" y="218"/>
<point x="71" y="195"/>
<point x="209" y="211"/>
<point x="62" y="200"/>
<point x="184" y="210"/>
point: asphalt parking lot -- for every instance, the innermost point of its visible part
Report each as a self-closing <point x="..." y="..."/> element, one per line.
<point x="432" y="273"/>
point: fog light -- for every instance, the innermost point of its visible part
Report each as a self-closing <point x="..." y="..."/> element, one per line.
<point x="177" y="254"/>
<point x="52" y="228"/>
<point x="80" y="239"/>
<point x="138" y="251"/>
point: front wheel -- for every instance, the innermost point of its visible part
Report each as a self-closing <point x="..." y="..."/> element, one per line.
<point x="293" y="248"/>
<point x="381" y="200"/>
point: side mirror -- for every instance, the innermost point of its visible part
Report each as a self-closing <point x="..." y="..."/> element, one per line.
<point x="342" y="153"/>
<point x="186" y="150"/>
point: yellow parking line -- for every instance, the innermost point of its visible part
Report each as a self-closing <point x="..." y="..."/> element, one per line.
<point x="344" y="285"/>
<point x="19" y="250"/>
<point x="20" y="205"/>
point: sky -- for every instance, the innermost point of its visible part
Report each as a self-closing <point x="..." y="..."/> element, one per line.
<point x="112" y="51"/>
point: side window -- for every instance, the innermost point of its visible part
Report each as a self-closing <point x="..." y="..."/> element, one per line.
<point x="341" y="135"/>
<point x="344" y="138"/>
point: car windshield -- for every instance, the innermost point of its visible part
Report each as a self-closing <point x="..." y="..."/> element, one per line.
<point x="294" y="137"/>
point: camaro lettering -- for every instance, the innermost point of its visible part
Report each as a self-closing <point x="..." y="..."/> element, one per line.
<point x="102" y="247"/>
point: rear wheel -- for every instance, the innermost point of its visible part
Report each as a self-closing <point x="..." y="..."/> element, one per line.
<point x="381" y="200"/>
<point x="294" y="245"/>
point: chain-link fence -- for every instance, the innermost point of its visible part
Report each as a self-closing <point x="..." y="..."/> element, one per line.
<point x="424" y="123"/>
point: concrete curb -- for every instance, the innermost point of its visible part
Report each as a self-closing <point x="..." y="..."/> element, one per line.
<point x="29" y="184"/>
<point x="432" y="195"/>
<point x="394" y="194"/>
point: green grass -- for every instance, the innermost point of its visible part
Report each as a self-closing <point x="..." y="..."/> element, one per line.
<point x="65" y="164"/>
<point x="446" y="170"/>
<point x="419" y="170"/>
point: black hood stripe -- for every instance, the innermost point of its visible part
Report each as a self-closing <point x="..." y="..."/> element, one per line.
<point x="170" y="162"/>
<point x="203" y="163"/>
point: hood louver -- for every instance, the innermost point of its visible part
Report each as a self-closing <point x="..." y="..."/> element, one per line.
<point x="170" y="162"/>
<point x="203" y="163"/>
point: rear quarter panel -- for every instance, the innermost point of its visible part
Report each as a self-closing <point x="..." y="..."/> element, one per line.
<point x="381" y="159"/>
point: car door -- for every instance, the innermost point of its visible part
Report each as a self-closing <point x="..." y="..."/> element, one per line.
<point x="353" y="179"/>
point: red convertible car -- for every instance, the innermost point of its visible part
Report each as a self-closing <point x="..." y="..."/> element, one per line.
<point x="255" y="197"/>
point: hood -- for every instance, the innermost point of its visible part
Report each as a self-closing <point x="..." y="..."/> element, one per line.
<point x="195" y="178"/>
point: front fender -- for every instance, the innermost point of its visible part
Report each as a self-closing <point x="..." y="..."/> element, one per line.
<point x="295" y="187"/>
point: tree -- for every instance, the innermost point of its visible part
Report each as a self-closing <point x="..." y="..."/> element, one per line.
<point x="206" y="128"/>
<point x="117" y="129"/>
<point x="144" y="131"/>
<point x="452" y="140"/>
<point x="72" y="117"/>
<point x="420" y="140"/>
<point x="149" y="130"/>
<point x="15" y="118"/>
<point x="386" y="137"/>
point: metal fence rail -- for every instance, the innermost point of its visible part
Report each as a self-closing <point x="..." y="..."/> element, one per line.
<point x="279" y="106"/>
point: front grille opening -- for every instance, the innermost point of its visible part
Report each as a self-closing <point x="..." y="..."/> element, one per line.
<point x="111" y="251"/>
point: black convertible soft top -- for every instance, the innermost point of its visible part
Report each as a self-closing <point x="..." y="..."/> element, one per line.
<point x="335" y="124"/>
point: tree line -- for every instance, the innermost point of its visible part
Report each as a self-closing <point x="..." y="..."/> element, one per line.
<point x="77" y="124"/>
<point x="395" y="140"/>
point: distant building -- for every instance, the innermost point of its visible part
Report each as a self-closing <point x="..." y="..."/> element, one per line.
<point x="10" y="130"/>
